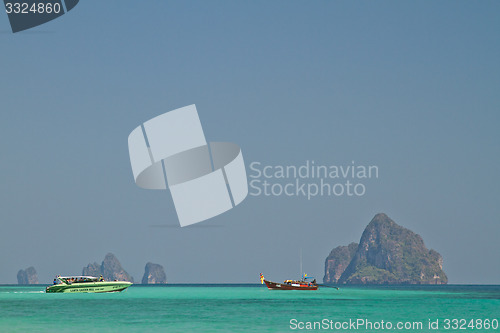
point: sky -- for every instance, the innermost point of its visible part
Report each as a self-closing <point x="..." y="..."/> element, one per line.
<point x="409" y="87"/>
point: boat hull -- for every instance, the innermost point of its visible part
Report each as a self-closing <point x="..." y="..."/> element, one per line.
<point x="89" y="287"/>
<point x="292" y="286"/>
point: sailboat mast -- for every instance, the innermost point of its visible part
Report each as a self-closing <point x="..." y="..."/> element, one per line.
<point x="301" y="273"/>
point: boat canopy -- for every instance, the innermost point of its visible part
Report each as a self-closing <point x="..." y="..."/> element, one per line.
<point x="77" y="279"/>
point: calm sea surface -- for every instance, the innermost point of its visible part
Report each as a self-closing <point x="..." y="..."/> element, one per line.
<point x="251" y="308"/>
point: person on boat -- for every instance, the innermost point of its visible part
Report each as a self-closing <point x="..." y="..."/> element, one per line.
<point x="55" y="280"/>
<point x="101" y="278"/>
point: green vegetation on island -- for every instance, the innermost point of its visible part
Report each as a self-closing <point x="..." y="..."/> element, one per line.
<point x="387" y="253"/>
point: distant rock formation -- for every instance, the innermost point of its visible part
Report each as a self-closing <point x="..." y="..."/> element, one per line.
<point x="110" y="269"/>
<point x="27" y="276"/>
<point x="154" y="274"/>
<point x="92" y="270"/>
<point x="337" y="262"/>
<point x="387" y="254"/>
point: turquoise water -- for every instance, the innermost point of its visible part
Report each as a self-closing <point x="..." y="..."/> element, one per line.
<point x="244" y="308"/>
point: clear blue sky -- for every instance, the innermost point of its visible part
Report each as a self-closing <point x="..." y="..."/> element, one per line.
<point x="412" y="87"/>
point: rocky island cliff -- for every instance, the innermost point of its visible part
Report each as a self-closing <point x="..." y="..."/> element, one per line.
<point x="154" y="274"/>
<point x="27" y="276"/>
<point x="387" y="253"/>
<point x="110" y="269"/>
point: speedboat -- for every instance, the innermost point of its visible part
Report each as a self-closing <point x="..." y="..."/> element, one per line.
<point x="85" y="284"/>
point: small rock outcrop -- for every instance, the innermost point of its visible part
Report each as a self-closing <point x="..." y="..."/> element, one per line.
<point x="154" y="274"/>
<point x="387" y="254"/>
<point x="27" y="276"/>
<point x="110" y="269"/>
<point x="92" y="270"/>
<point x="337" y="262"/>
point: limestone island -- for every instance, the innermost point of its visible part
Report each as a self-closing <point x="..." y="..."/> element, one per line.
<point x="154" y="274"/>
<point x="387" y="253"/>
<point x="27" y="276"/>
<point x="110" y="269"/>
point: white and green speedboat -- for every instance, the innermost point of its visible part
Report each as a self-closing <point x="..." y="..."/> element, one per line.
<point x="85" y="284"/>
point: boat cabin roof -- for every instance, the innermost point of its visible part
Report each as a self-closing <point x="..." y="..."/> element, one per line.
<point x="77" y="279"/>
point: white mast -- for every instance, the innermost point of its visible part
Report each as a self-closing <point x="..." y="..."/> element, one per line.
<point x="301" y="274"/>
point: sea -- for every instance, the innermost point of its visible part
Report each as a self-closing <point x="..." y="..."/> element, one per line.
<point x="253" y="308"/>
